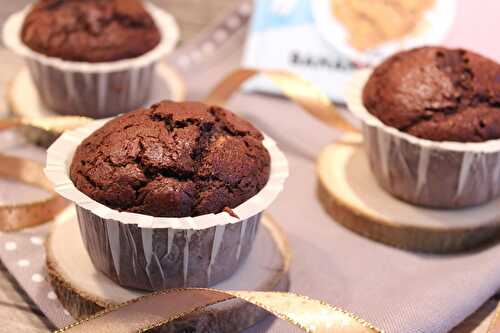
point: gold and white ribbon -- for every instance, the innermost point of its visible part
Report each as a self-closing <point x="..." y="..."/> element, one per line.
<point x="494" y="326"/>
<point x="160" y="309"/>
<point x="301" y="91"/>
<point x="23" y="215"/>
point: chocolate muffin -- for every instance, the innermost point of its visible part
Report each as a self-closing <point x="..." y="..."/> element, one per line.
<point x="438" y="94"/>
<point x="172" y="160"/>
<point x="90" y="30"/>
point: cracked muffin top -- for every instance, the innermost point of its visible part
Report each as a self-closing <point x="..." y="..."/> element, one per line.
<point x="90" y="30"/>
<point x="437" y="94"/>
<point x="172" y="160"/>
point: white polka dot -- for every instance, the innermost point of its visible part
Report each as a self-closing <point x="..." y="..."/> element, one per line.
<point x="196" y="56"/>
<point x="51" y="295"/>
<point x="184" y="61"/>
<point x="37" y="278"/>
<point x="220" y="35"/>
<point x="245" y="9"/>
<point x="36" y="240"/>
<point x="233" y="22"/>
<point x="208" y="48"/>
<point x="23" y="263"/>
<point x="10" y="246"/>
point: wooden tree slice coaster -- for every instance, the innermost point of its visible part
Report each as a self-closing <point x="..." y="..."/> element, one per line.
<point x="24" y="101"/>
<point x="84" y="291"/>
<point x="352" y="196"/>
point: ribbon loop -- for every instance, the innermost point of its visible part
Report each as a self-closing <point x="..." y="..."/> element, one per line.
<point x="15" y="217"/>
<point x="159" y="309"/>
<point x="301" y="91"/>
<point x="19" y="216"/>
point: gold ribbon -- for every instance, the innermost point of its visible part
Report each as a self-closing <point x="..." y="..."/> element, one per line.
<point x="19" y="216"/>
<point x="160" y="309"/>
<point x="302" y="92"/>
<point x="23" y="215"/>
<point x="15" y="217"/>
<point x="494" y="326"/>
<point x="56" y="124"/>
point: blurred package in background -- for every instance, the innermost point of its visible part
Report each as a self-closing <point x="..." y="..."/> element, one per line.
<point x="324" y="41"/>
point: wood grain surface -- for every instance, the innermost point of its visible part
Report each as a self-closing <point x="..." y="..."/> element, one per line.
<point x="17" y="313"/>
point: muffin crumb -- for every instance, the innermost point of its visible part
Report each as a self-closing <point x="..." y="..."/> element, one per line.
<point x="231" y="212"/>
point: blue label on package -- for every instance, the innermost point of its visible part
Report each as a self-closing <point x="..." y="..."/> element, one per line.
<point x="319" y="39"/>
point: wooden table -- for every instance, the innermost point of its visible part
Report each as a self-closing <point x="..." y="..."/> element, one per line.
<point x="17" y="312"/>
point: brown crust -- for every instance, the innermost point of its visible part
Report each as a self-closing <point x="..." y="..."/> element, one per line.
<point x="232" y="317"/>
<point x="90" y="31"/>
<point x="438" y="94"/>
<point x="172" y="160"/>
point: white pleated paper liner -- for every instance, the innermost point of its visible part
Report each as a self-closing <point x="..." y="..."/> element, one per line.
<point x="424" y="172"/>
<point x="60" y="155"/>
<point x="163" y="20"/>
<point x="97" y="90"/>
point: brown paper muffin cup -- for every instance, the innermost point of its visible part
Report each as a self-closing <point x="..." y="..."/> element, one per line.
<point x="152" y="253"/>
<point x="423" y="172"/>
<point x="97" y="90"/>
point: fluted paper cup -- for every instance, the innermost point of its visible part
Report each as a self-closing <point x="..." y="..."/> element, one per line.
<point x="153" y="253"/>
<point x="96" y="90"/>
<point x="424" y="172"/>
